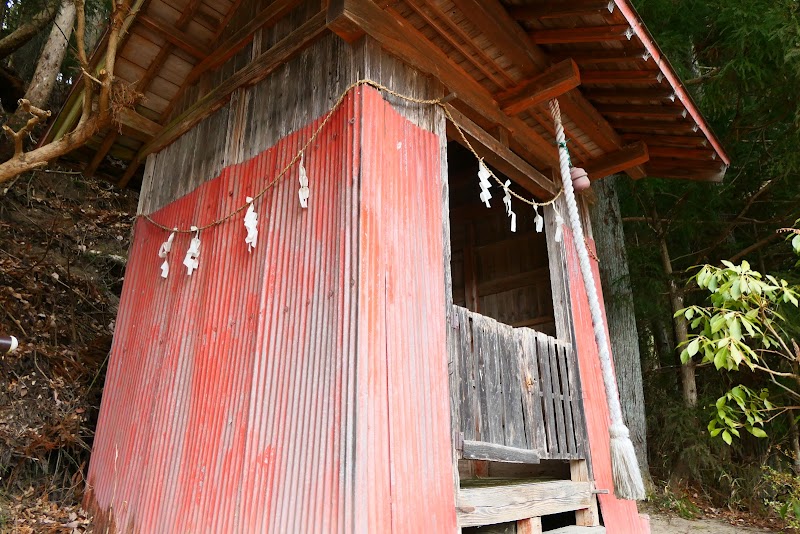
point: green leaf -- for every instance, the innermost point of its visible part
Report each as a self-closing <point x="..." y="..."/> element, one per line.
<point x="693" y="347"/>
<point x="796" y="243"/>
<point x="757" y="432"/>
<point x="689" y="314"/>
<point x="726" y="437"/>
<point x="736" y="329"/>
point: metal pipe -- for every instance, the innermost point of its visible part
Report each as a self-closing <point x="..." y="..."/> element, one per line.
<point x="8" y="344"/>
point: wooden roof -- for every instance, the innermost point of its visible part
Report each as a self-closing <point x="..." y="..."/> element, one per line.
<point x="624" y="108"/>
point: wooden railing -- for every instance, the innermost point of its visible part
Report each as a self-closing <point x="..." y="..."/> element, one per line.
<point x="517" y="391"/>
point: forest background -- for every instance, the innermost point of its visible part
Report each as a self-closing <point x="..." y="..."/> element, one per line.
<point x="64" y="237"/>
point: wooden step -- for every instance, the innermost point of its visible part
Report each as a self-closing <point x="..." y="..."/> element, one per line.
<point x="505" y="500"/>
<point x="577" y="530"/>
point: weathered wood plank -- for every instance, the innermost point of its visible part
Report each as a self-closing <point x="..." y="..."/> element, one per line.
<point x="566" y="392"/>
<point x="499" y="504"/>
<point x="558" y="397"/>
<point x="470" y="403"/>
<point x="494" y="413"/>
<point x="481" y="450"/>
<point x="581" y="443"/>
<point x="548" y="404"/>
<point x="534" y="418"/>
<point x="510" y="355"/>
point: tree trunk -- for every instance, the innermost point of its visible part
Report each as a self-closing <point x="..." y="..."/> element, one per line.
<point x="794" y="438"/>
<point x="14" y="40"/>
<point x="688" y="371"/>
<point x="615" y="280"/>
<point x="53" y="53"/>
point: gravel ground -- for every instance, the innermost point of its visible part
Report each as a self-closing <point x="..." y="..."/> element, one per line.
<point x="676" y="525"/>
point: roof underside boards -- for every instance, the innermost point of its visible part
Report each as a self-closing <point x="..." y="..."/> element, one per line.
<point x="623" y="107"/>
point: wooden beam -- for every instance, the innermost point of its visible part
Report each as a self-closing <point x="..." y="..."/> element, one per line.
<point x="650" y="126"/>
<point x="560" y="9"/>
<point x="341" y="25"/>
<point x="513" y="502"/>
<point x="643" y="94"/>
<point x="585" y="34"/>
<point x="681" y="152"/>
<point x="102" y="150"/>
<point x="602" y="56"/>
<point x="492" y="19"/>
<point x="615" y="77"/>
<point x="667" y="140"/>
<point x="645" y="111"/>
<point x="550" y="84"/>
<point x="694" y="164"/>
<point x="241" y="37"/>
<point x="531" y="525"/>
<point x="579" y="472"/>
<point x="400" y="39"/>
<point x="230" y="46"/>
<point x="136" y="122"/>
<point x="618" y="161"/>
<point x="684" y="173"/>
<point x="174" y="35"/>
<point x="480" y="450"/>
<point x="501" y="157"/>
<point x="255" y="71"/>
<point x="501" y="80"/>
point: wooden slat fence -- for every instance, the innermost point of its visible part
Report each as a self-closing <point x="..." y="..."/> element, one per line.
<point x="517" y="387"/>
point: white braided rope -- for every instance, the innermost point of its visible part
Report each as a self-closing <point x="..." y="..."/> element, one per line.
<point x="627" y="476"/>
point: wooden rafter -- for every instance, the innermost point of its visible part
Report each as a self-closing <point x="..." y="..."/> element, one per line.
<point x="587" y="34"/>
<point x="552" y="83"/>
<point x="682" y="153"/>
<point x="142" y="85"/>
<point x="463" y="34"/>
<point x="560" y="9"/>
<point x="636" y="125"/>
<point x="643" y="94"/>
<point x="668" y="140"/>
<point x="462" y="47"/>
<point x="619" y="161"/>
<point x="621" y="76"/>
<point x="492" y="19"/>
<point x="625" y="55"/>
<point x="643" y="110"/>
<point x="687" y="173"/>
<point x="175" y="36"/>
<point x="222" y="51"/>
<point x="258" y="69"/>
<point x="386" y="27"/>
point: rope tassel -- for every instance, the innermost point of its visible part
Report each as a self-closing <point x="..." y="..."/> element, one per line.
<point x="624" y="465"/>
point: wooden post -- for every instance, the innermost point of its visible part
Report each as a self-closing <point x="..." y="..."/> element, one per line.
<point x="587" y="517"/>
<point x="532" y="525"/>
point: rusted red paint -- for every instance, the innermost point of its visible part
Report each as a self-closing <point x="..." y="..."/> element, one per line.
<point x="301" y="387"/>
<point x="619" y="516"/>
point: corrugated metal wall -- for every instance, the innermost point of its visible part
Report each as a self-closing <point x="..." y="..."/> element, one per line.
<point x="619" y="516"/>
<point x="301" y="387"/>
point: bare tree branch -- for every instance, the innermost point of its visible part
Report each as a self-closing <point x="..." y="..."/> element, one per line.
<point x="97" y="110"/>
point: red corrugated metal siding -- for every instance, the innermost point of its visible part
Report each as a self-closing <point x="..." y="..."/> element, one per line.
<point x="403" y="363"/>
<point x="619" y="516"/>
<point x="243" y="398"/>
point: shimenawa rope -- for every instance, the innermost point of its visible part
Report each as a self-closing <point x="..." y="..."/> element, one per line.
<point x="625" y="470"/>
